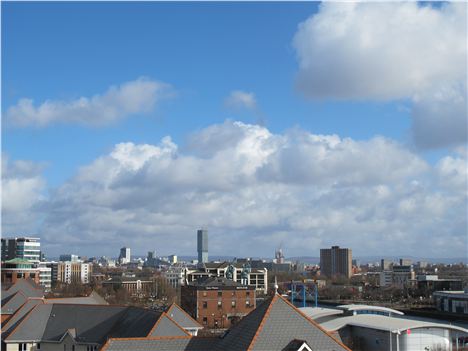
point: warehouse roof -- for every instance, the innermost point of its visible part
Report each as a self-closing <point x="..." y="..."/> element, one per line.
<point x="385" y="323"/>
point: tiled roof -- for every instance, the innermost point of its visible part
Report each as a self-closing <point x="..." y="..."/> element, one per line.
<point x="26" y="286"/>
<point x="14" y="302"/>
<point x="19" y="315"/>
<point x="165" y="326"/>
<point x="216" y="282"/>
<point x="182" y="318"/>
<point x="273" y="325"/>
<point x="93" y="323"/>
<point x="161" y="344"/>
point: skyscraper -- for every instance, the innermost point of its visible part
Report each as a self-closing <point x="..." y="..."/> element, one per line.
<point x="202" y="245"/>
<point x="336" y="261"/>
<point x="124" y="256"/>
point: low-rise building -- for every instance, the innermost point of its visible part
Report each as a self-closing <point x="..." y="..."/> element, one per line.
<point x="17" y="268"/>
<point x="452" y="301"/>
<point x="432" y="283"/>
<point x="253" y="276"/>
<point x="399" y="276"/>
<point x="218" y="302"/>
<point x="135" y="286"/>
<point x="68" y="272"/>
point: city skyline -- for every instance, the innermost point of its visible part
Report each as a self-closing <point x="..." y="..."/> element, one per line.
<point x="271" y="124"/>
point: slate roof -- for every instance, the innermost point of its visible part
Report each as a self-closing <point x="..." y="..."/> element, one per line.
<point x="26" y="286"/>
<point x="93" y="323"/>
<point x="273" y="325"/>
<point x="165" y="326"/>
<point x="182" y="318"/>
<point x="14" y="302"/>
<point x="161" y="344"/>
<point x="19" y="315"/>
<point x="93" y="299"/>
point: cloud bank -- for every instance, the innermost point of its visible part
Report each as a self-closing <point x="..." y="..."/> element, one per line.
<point x="255" y="190"/>
<point x="118" y="102"/>
<point x="389" y="51"/>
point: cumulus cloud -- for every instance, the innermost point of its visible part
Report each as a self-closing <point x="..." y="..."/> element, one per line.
<point x="22" y="191"/>
<point x="388" y="51"/>
<point x="238" y="99"/>
<point x="258" y="189"/>
<point x="118" y="102"/>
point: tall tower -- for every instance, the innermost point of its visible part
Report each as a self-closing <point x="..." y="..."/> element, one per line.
<point x="202" y="245"/>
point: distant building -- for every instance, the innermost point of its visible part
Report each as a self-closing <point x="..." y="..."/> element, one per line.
<point x="405" y="262"/>
<point x="24" y="248"/>
<point x="172" y="259"/>
<point x="432" y="283"/>
<point x="202" y="245"/>
<point x="452" y="301"/>
<point x="218" y="302"/>
<point x="17" y="268"/>
<point x="336" y="261"/>
<point x="135" y="286"/>
<point x="124" y="256"/>
<point x="175" y="275"/>
<point x="279" y="256"/>
<point x="258" y="277"/>
<point x="399" y="276"/>
<point x="151" y="260"/>
<point x="68" y="258"/>
<point x="385" y="265"/>
<point x="71" y="272"/>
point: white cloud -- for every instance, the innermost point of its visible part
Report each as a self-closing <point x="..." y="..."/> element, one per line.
<point x="241" y="99"/>
<point x="258" y="189"/>
<point x="118" y="102"/>
<point x="22" y="191"/>
<point x="389" y="51"/>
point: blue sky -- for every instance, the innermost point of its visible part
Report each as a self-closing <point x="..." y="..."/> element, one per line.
<point x="63" y="51"/>
<point x="205" y="50"/>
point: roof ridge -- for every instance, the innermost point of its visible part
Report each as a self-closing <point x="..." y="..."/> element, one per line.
<point x="17" y="311"/>
<point x="314" y="323"/>
<point x="25" y="318"/>
<point x="260" y="327"/>
<point x="174" y="305"/>
<point x="177" y="324"/>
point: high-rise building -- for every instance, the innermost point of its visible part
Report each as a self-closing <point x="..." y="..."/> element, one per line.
<point x="25" y="248"/>
<point x="385" y="265"/>
<point x="202" y="245"/>
<point x="69" y="272"/>
<point x="336" y="261"/>
<point x="69" y="258"/>
<point x="124" y="256"/>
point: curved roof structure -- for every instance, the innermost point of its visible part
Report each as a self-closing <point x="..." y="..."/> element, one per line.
<point x="385" y="323"/>
<point x="369" y="308"/>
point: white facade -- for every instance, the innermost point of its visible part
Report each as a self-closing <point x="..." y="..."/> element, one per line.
<point x="175" y="276"/>
<point x="124" y="256"/>
<point x="45" y="276"/>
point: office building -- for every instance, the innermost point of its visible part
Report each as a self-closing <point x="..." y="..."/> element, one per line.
<point x="398" y="276"/>
<point x="68" y="258"/>
<point x="217" y="302"/>
<point x="240" y="273"/>
<point x="124" y="256"/>
<point x="72" y="272"/>
<point x="336" y="261"/>
<point x="385" y="265"/>
<point x="172" y="259"/>
<point x="202" y="245"/>
<point x="24" y="248"/>
<point x="406" y="262"/>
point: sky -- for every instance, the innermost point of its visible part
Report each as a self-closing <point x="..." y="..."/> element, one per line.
<point x="295" y="125"/>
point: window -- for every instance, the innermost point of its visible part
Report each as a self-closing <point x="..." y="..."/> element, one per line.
<point x="233" y="293"/>
<point x="205" y="304"/>
<point x="220" y="293"/>
<point x="204" y="293"/>
<point x="39" y="346"/>
<point x="64" y="347"/>
<point x="247" y="303"/>
<point x="205" y="321"/>
<point x="220" y="304"/>
<point x="73" y="347"/>
<point x="233" y="303"/>
<point x="22" y="347"/>
<point x="247" y="293"/>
